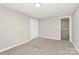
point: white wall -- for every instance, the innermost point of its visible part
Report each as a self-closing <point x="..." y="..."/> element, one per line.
<point x="14" y="28"/>
<point x="75" y="28"/>
<point x="50" y="28"/>
<point x="34" y="28"/>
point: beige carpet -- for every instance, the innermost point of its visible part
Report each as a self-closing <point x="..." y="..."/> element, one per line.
<point x="43" y="46"/>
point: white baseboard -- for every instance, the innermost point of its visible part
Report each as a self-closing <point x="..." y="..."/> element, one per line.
<point x="14" y="46"/>
<point x="75" y="47"/>
<point x="49" y="38"/>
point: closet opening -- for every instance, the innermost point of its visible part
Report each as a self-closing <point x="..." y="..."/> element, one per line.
<point x="65" y="29"/>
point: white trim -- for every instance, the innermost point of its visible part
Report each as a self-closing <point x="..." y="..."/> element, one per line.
<point x="70" y="27"/>
<point x="59" y="28"/>
<point x="14" y="46"/>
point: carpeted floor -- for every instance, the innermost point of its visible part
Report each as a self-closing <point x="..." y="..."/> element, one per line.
<point x="43" y="46"/>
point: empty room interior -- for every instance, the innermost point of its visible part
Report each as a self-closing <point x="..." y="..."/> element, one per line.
<point x="39" y="28"/>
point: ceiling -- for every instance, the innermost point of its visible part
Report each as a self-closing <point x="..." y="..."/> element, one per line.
<point x="46" y="10"/>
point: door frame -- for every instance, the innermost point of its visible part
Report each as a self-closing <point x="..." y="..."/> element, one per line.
<point x="70" y="27"/>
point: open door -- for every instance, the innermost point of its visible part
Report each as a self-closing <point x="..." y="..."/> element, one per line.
<point x="65" y="29"/>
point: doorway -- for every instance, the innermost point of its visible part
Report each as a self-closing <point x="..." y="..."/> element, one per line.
<point x="65" y="28"/>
